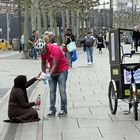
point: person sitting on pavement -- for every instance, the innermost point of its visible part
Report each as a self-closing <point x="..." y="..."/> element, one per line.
<point x="20" y="109"/>
<point x="58" y="74"/>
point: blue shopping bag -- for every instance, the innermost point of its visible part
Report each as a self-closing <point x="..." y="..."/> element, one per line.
<point x="74" y="56"/>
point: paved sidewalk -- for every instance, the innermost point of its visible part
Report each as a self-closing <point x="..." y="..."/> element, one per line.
<point x="88" y="118"/>
<point x="7" y="53"/>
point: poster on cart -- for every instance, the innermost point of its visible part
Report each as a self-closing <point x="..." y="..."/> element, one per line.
<point x="127" y="76"/>
<point x="113" y="46"/>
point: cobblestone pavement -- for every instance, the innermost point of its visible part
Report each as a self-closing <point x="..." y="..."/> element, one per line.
<point x="88" y="118"/>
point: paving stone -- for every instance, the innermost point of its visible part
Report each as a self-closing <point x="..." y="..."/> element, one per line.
<point x="89" y="116"/>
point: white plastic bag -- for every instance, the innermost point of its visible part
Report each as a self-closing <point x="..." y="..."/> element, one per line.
<point x="45" y="77"/>
<point x="71" y="46"/>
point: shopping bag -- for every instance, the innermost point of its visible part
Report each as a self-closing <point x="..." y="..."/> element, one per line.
<point x="71" y="46"/>
<point x="74" y="56"/>
<point x="45" y="77"/>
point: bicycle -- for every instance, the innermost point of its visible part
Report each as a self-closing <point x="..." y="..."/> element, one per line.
<point x="38" y="46"/>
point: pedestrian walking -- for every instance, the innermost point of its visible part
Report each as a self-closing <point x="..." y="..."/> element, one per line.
<point x="100" y="43"/>
<point x="106" y="38"/>
<point x="88" y="45"/>
<point x="136" y="37"/>
<point x="58" y="74"/>
<point x="22" y="42"/>
<point x="68" y="38"/>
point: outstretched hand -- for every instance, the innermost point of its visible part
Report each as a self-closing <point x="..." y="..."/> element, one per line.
<point x="38" y="77"/>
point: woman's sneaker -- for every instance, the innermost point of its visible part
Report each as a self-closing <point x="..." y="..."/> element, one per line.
<point x="51" y="113"/>
<point x="62" y="113"/>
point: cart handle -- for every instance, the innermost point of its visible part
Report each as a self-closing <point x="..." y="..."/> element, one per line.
<point x="130" y="54"/>
<point x="126" y="55"/>
<point x="131" y="68"/>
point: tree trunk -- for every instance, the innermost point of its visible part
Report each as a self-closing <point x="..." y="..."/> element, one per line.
<point x="33" y="16"/>
<point x="26" y="36"/>
<point x="82" y="27"/>
<point x="73" y="22"/>
<point x="51" y="19"/>
<point x="19" y="20"/>
<point x="67" y="19"/>
<point x="78" y="25"/>
<point x="45" y="20"/>
<point x="63" y="24"/>
<point x="38" y="19"/>
<point x="55" y="29"/>
<point x="7" y="21"/>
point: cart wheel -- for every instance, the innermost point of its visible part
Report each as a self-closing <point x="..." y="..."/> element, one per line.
<point x="30" y="54"/>
<point x="113" y="101"/>
<point x="135" y="106"/>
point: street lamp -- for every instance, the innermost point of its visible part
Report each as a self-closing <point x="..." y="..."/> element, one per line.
<point x="132" y="13"/>
<point x="111" y="15"/>
<point x="19" y="20"/>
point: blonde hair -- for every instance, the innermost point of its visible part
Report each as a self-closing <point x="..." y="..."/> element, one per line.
<point x="47" y="38"/>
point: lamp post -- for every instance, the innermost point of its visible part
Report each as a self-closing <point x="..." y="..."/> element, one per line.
<point x="111" y="14"/>
<point x="132" y="13"/>
<point x="19" y="20"/>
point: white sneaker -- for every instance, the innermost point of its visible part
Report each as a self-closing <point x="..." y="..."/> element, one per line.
<point x="89" y="63"/>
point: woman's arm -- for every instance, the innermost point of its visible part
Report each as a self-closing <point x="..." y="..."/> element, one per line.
<point x="43" y="64"/>
<point x="30" y="82"/>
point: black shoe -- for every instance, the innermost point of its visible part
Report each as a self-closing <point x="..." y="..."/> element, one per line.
<point x="51" y="113"/>
<point x="62" y="113"/>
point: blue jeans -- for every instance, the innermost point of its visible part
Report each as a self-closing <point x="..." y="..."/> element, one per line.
<point x="61" y="80"/>
<point x="34" y="52"/>
<point x="89" y="52"/>
<point x="68" y="56"/>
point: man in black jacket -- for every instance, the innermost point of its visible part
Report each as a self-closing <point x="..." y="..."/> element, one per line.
<point x="136" y="37"/>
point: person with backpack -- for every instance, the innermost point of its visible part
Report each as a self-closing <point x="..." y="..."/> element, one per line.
<point x="88" y="45"/>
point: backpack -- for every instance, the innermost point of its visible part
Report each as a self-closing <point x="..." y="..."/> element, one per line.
<point x="88" y="41"/>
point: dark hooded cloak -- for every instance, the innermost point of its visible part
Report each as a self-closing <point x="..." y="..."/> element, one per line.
<point x="19" y="108"/>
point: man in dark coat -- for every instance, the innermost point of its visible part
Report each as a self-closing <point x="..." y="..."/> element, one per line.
<point x="20" y="109"/>
<point x="136" y="37"/>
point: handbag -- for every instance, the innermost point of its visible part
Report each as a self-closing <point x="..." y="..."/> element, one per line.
<point x="71" y="46"/>
<point x="74" y="56"/>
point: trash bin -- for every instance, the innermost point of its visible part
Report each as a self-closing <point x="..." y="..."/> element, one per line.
<point x="15" y="42"/>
